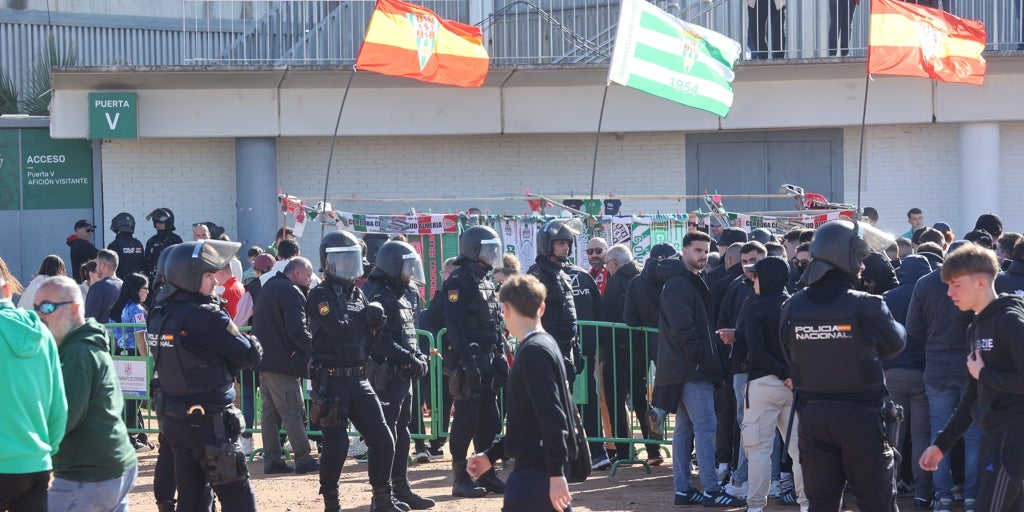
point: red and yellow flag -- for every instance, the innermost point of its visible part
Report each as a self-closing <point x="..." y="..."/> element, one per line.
<point x="407" y="40"/>
<point x="910" y="40"/>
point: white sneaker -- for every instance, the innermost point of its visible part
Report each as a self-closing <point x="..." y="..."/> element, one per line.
<point x="740" y="491"/>
<point x="247" y="446"/>
<point x="775" y="490"/>
<point x="357" y="447"/>
<point x="723" y="472"/>
<point x="753" y="510"/>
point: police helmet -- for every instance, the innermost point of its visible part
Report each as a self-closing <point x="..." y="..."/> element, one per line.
<point x="837" y="245"/>
<point x="123" y="223"/>
<point x="398" y="260"/>
<point x="164" y="215"/>
<point x="341" y="255"/>
<point x="481" y="243"/>
<point x="558" y="229"/>
<point x="185" y="264"/>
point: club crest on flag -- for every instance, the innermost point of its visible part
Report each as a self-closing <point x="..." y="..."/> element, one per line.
<point x="930" y="39"/>
<point x="425" y="28"/>
<point x="690" y="51"/>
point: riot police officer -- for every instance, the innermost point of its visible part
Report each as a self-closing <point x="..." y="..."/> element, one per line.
<point x="197" y="350"/>
<point x="163" y="222"/>
<point x="474" y="356"/>
<point x="395" y="358"/>
<point x="344" y="324"/>
<point x="554" y="244"/>
<point x="834" y="339"/>
<point x="131" y="257"/>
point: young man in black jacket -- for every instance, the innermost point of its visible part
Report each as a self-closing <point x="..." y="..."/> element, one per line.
<point x="995" y="390"/>
<point x="538" y="405"/>
<point x="768" y="397"/>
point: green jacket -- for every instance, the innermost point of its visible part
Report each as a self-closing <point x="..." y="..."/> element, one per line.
<point x="35" y="411"/>
<point x="96" y="446"/>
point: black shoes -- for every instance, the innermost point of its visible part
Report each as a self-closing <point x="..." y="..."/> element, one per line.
<point x="404" y="494"/>
<point x="491" y="482"/>
<point x="277" y="467"/>
<point x="463" y="485"/>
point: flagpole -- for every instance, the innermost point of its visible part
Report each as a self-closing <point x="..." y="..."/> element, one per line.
<point x="597" y="143"/>
<point x="334" y="140"/>
<point x="863" y="124"/>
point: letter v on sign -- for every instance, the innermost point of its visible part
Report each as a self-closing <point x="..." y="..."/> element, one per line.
<point x="113" y="115"/>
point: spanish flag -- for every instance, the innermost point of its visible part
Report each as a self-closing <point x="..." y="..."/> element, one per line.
<point x="408" y="40"/>
<point x="910" y="40"/>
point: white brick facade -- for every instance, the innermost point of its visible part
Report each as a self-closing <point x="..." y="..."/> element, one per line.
<point x="904" y="166"/>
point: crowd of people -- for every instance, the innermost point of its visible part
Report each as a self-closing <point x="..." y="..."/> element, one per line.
<point x="796" y="365"/>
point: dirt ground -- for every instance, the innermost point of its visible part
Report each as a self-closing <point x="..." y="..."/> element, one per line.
<point x="631" y="489"/>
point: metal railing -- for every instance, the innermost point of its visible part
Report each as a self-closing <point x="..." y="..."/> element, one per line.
<point x="546" y="32"/>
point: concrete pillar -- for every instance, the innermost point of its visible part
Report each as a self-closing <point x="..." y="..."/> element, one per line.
<point x="256" y="191"/>
<point x="979" y="173"/>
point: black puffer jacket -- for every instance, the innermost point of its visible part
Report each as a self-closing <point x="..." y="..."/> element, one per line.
<point x="559" y="318"/>
<point x="688" y="351"/>
<point x="588" y="303"/>
<point x="614" y="305"/>
<point x="642" y="298"/>
<point x="279" y="322"/>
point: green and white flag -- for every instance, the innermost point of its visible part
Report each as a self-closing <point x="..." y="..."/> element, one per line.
<point x="662" y="55"/>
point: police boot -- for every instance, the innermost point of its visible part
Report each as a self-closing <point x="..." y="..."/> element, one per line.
<point x="165" y="506"/>
<point x="463" y="485"/>
<point x="404" y="494"/>
<point x="384" y="501"/>
<point x="331" y="501"/>
<point x="491" y="482"/>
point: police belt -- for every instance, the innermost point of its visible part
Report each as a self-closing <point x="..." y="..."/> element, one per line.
<point x="195" y="414"/>
<point x="342" y="371"/>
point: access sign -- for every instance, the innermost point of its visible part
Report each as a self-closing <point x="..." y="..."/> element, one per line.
<point x="113" y="115"/>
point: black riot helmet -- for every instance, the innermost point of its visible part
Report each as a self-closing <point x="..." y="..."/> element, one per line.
<point x="558" y="229"/>
<point x="185" y="264"/>
<point x="837" y="245"/>
<point x="164" y="215"/>
<point x="481" y="243"/>
<point x="341" y="256"/>
<point x="398" y="260"/>
<point x="123" y="223"/>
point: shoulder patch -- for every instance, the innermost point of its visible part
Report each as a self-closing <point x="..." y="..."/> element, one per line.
<point x="453" y="295"/>
<point x="324" y="308"/>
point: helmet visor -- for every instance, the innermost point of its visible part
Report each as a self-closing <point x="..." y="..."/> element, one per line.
<point x="412" y="268"/>
<point x="876" y="239"/>
<point x="344" y="262"/>
<point x="490" y="253"/>
<point x="215" y="254"/>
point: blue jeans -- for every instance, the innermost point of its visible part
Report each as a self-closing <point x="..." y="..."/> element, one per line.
<point x="941" y="404"/>
<point x="109" y="495"/>
<point x="695" y="418"/>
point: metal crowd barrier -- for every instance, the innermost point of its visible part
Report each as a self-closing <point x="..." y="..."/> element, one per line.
<point x="613" y="392"/>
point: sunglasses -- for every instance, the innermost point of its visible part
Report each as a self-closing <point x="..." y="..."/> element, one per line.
<point x="48" y="307"/>
<point x="595" y="251"/>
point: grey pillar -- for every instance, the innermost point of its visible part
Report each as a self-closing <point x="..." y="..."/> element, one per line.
<point x="979" y="172"/>
<point x="256" y="191"/>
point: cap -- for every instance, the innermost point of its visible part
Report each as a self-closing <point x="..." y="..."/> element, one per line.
<point x="731" y="236"/>
<point x="662" y="250"/>
<point x="83" y="224"/>
<point x="942" y="226"/>
<point x="263" y="263"/>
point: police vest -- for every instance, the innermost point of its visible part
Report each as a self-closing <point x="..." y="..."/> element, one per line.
<point x="830" y="354"/>
<point x="402" y="328"/>
<point x="483" y="312"/>
<point x="182" y="373"/>
<point x="559" y="321"/>
<point x="348" y="351"/>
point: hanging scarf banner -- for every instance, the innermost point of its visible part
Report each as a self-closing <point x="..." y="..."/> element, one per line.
<point x="420" y="224"/>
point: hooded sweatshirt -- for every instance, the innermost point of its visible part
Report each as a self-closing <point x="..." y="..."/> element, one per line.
<point x="997" y="396"/>
<point x="95" y="447"/>
<point x="35" y="409"/>
<point x="912" y="269"/>
<point x="761" y="320"/>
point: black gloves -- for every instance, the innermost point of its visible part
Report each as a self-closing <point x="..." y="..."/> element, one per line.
<point x="472" y="375"/>
<point x="255" y="354"/>
<point x="375" y="317"/>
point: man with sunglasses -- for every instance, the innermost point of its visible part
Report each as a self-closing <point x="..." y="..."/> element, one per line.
<point x="596" y="248"/>
<point x="82" y="248"/>
<point x="95" y="467"/>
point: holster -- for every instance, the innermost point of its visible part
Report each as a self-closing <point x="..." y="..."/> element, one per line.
<point x="892" y="416"/>
<point x="224" y="461"/>
<point x="324" y="409"/>
<point x="379" y="375"/>
<point x="449" y="360"/>
<point x="457" y="385"/>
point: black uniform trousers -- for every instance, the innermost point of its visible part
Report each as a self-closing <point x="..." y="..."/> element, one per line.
<point x="1001" y="472"/>
<point x="25" y="492"/>
<point x="528" y="490"/>
<point x="766" y="27"/>
<point x="625" y="380"/>
<point x="477" y="419"/>
<point x="842" y="442"/>
<point x="396" y="401"/>
<point x="357" y="403"/>
<point x="840" y="16"/>
<point x="188" y="445"/>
